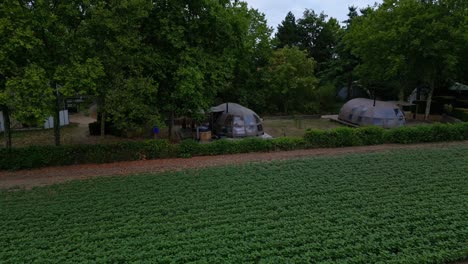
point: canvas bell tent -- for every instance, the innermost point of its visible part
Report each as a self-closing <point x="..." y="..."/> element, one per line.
<point x="235" y="121"/>
<point x="367" y="112"/>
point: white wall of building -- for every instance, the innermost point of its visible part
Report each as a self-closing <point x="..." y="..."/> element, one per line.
<point x="49" y="123"/>
<point x="64" y="120"/>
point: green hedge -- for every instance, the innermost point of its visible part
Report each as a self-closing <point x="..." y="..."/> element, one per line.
<point x="43" y="156"/>
<point x="342" y="137"/>
<point x="188" y="148"/>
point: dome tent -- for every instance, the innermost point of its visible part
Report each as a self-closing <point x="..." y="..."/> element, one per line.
<point x="362" y="112"/>
<point x="234" y="120"/>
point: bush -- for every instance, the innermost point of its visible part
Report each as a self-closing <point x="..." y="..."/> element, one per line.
<point x="339" y="137"/>
<point x="42" y="156"/>
<point x="285" y="143"/>
<point x="426" y="133"/>
<point x="188" y="148"/>
<point x="371" y="135"/>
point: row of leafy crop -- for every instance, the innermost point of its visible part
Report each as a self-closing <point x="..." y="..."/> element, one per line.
<point x="42" y="156"/>
<point x="364" y="208"/>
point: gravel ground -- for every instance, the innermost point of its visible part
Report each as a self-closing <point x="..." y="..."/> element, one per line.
<point x="53" y="175"/>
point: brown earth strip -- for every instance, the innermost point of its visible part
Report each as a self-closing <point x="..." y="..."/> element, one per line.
<point x="53" y="175"/>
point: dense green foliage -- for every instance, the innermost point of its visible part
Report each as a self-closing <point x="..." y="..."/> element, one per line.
<point x="43" y="156"/>
<point x="364" y="208"/>
<point x="405" y="43"/>
<point x="342" y="137"/>
<point x="147" y="62"/>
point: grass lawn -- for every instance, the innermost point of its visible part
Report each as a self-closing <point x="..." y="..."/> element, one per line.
<point x="295" y="128"/>
<point x="395" y="207"/>
<point x="70" y="135"/>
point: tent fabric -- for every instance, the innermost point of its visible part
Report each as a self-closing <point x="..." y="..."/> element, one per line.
<point x="362" y="112"/>
<point x="233" y="108"/>
<point x="459" y="87"/>
<point x="418" y="94"/>
<point x="234" y="120"/>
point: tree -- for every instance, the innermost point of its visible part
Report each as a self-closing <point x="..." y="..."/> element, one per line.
<point x="291" y="78"/>
<point x="193" y="42"/>
<point x="318" y="36"/>
<point x="405" y="41"/>
<point x="247" y="86"/>
<point x="126" y="96"/>
<point x="68" y="71"/>
<point x="22" y="92"/>
<point x="344" y="63"/>
<point x="287" y="32"/>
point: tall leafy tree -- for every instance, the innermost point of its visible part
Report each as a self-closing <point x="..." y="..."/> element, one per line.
<point x="247" y="86"/>
<point x="343" y="64"/>
<point x="126" y="95"/>
<point x="404" y="41"/>
<point x="291" y="78"/>
<point x="287" y="32"/>
<point x="318" y="36"/>
<point x="193" y="43"/>
<point x="60" y="56"/>
<point x="24" y="94"/>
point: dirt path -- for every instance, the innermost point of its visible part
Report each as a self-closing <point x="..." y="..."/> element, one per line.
<point x="47" y="176"/>
<point x="81" y="133"/>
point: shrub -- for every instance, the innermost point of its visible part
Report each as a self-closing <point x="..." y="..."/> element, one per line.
<point x="188" y="148"/>
<point x="285" y="143"/>
<point x="371" y="135"/>
<point x="317" y="138"/>
<point x="339" y="137"/>
<point x="159" y="149"/>
<point x="426" y="133"/>
<point x="42" y="156"/>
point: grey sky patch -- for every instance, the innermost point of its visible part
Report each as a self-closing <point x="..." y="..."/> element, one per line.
<point x="275" y="11"/>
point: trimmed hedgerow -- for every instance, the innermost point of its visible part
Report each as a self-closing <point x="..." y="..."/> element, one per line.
<point x="374" y="135"/>
<point x="43" y="156"/>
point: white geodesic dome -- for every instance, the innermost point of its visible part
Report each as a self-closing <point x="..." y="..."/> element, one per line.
<point x="362" y="112"/>
<point x="234" y="120"/>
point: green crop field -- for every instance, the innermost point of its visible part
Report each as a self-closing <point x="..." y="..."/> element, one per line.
<point x="393" y="207"/>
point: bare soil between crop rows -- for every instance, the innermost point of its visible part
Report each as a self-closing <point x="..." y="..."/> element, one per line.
<point x="27" y="179"/>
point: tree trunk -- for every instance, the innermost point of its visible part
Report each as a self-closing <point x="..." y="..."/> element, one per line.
<point x="57" y="126"/>
<point x="57" y="119"/>
<point x="103" y="124"/>
<point x="429" y="101"/>
<point x="7" y="126"/>
<point x="171" y="125"/>
<point x="401" y="94"/>
<point x="103" y="117"/>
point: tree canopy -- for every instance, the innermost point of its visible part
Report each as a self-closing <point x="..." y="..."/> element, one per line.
<point x="146" y="62"/>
